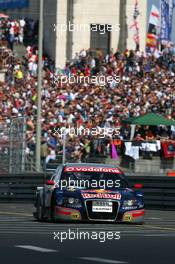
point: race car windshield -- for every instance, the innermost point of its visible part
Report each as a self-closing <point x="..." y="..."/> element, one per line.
<point x="95" y="180"/>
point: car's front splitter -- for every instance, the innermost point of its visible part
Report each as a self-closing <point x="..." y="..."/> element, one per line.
<point x="69" y="214"/>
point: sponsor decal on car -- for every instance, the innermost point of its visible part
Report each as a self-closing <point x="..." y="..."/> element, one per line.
<point x="128" y="217"/>
<point x="116" y="196"/>
<point x="70" y="189"/>
<point x="102" y="206"/>
<point x="76" y="216"/>
<point x="97" y="191"/>
<point x="91" y="169"/>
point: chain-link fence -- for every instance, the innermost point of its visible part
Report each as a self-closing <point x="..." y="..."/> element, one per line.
<point x="4" y="147"/>
<point x="13" y="157"/>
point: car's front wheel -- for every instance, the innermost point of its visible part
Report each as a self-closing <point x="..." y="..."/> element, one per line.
<point x="39" y="210"/>
<point x="53" y="211"/>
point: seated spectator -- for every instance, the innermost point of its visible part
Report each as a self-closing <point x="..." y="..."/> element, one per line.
<point x="149" y="135"/>
<point x="51" y="155"/>
<point x="138" y="137"/>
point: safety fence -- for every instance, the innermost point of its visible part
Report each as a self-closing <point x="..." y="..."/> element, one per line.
<point x="159" y="191"/>
<point x="17" y="152"/>
<point x="13" y="143"/>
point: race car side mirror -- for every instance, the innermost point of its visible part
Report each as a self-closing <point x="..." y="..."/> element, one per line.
<point x="50" y="182"/>
<point x="138" y="186"/>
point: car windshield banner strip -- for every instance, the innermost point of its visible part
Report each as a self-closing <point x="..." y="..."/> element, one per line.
<point x="91" y="169"/>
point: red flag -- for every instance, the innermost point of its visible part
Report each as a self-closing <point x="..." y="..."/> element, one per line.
<point x="168" y="149"/>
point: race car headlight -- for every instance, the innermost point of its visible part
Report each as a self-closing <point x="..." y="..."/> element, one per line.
<point x="59" y="201"/>
<point x="129" y="203"/>
<point x="71" y="201"/>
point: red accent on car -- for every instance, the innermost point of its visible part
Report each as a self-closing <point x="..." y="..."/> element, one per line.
<point x="50" y="182"/>
<point x="138" y="186"/>
<point x="62" y="212"/>
<point x="139" y="213"/>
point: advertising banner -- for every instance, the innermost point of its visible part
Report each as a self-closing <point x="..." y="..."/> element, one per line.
<point x="11" y="4"/>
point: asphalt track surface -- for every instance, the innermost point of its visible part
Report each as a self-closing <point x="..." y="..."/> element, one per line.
<point x="24" y="240"/>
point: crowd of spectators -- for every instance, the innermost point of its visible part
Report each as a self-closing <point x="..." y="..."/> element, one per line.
<point x="20" y="31"/>
<point x="139" y="83"/>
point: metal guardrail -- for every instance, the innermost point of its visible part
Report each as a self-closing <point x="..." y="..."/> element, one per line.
<point x="159" y="192"/>
<point x="19" y="187"/>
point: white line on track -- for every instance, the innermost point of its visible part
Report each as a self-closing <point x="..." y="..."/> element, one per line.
<point x="155" y="218"/>
<point x="102" y="260"/>
<point x="63" y="230"/>
<point x="51" y="230"/>
<point x="23" y="233"/>
<point x="40" y="249"/>
<point x="12" y="213"/>
<point x="52" y="233"/>
<point x="9" y="220"/>
<point x="25" y="228"/>
<point x="54" y="228"/>
<point x="160" y="235"/>
<point x="46" y="233"/>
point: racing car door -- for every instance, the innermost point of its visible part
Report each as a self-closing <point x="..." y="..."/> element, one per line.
<point x="50" y="185"/>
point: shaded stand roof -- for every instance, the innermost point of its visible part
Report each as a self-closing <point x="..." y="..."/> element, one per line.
<point x="150" y="119"/>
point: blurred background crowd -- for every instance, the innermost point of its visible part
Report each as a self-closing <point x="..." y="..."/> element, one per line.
<point x="146" y="83"/>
